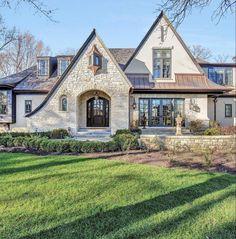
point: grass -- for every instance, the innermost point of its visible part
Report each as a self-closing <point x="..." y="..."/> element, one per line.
<point x="73" y="197"/>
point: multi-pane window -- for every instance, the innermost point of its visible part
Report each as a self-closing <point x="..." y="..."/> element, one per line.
<point x="3" y="102"/>
<point x="64" y="104"/>
<point x="28" y="106"/>
<point x="220" y="75"/>
<point x="228" y="110"/>
<point x="143" y="111"/>
<point x="43" y="67"/>
<point x="63" y="64"/>
<point x="162" y="63"/>
<point x="160" y="112"/>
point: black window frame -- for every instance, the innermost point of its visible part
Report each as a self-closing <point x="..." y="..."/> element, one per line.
<point x="231" y="111"/>
<point x="162" y="59"/>
<point x="30" y="110"/>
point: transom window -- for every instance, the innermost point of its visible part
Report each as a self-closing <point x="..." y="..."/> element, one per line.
<point x="28" y="106"/>
<point x="63" y="64"/>
<point x="43" y="66"/>
<point x="63" y="104"/>
<point x="162" y="63"/>
<point x="3" y="102"/>
<point x="228" y="110"/>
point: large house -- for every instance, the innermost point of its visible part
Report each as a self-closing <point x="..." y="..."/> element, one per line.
<point x="119" y="88"/>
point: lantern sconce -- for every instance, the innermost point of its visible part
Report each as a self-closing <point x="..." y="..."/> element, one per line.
<point x="134" y="105"/>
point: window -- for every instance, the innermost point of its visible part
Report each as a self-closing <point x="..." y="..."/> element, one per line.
<point x="162" y="63"/>
<point x="63" y="64"/>
<point x="28" y="106"/>
<point x="43" y="67"/>
<point x="221" y="76"/>
<point x="64" y="104"/>
<point x="228" y="110"/>
<point x="3" y="102"/>
<point x="95" y="60"/>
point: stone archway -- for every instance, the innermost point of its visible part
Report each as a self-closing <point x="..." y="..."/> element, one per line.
<point x="97" y="112"/>
<point x="94" y="110"/>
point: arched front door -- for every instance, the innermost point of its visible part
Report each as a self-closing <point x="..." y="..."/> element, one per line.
<point x="98" y="112"/>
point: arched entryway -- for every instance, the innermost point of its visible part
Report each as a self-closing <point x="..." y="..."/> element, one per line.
<point x="97" y="112"/>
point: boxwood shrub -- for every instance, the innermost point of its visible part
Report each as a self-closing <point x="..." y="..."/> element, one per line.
<point x="119" y="142"/>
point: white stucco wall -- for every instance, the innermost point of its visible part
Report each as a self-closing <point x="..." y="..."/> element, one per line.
<point x="181" y="61"/>
<point x="20" y="107"/>
<point x="220" y="110"/>
<point x="199" y="100"/>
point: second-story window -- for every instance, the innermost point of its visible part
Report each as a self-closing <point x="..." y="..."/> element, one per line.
<point x="162" y="63"/>
<point x="28" y="106"/>
<point x="63" y="64"/>
<point x="43" y="67"/>
<point x="221" y="75"/>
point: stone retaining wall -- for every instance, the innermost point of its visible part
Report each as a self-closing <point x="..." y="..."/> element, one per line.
<point x="189" y="143"/>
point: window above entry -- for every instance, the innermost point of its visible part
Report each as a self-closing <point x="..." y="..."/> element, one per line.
<point x="95" y="60"/>
<point x="162" y="64"/>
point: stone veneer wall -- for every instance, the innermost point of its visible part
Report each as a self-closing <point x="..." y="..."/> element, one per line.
<point x="109" y="80"/>
<point x="190" y="143"/>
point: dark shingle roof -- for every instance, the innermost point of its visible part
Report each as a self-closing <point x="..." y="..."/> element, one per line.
<point x="122" y="55"/>
<point x="14" y="79"/>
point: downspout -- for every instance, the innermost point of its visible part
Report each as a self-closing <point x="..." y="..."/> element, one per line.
<point x="215" y="101"/>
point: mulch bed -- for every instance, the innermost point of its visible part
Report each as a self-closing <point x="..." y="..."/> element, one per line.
<point x="221" y="162"/>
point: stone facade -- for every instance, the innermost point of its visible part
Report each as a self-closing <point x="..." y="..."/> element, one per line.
<point x="77" y="85"/>
<point x="190" y="143"/>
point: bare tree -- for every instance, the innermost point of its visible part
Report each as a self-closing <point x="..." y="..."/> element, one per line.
<point x="21" y="54"/>
<point x="38" y="5"/>
<point x="200" y="52"/>
<point x="6" y="35"/>
<point x="222" y="58"/>
<point x="178" y="9"/>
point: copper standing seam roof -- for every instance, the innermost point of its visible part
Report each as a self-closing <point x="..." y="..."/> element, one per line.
<point x="183" y="82"/>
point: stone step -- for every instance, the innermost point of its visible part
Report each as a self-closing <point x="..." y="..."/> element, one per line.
<point x="94" y="132"/>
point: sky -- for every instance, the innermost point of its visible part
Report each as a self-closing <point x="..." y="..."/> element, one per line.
<point x="120" y="24"/>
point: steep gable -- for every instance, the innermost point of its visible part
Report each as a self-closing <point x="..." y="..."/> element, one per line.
<point x="182" y="59"/>
<point x="81" y="78"/>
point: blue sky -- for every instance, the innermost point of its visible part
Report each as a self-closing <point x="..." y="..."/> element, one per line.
<point x="120" y="23"/>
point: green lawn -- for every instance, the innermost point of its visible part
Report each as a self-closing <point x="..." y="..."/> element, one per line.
<point x="72" y="197"/>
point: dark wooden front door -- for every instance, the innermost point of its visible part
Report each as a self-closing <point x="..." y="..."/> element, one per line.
<point x="97" y="112"/>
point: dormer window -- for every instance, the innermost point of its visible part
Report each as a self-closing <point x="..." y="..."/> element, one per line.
<point x="43" y="67"/>
<point x="95" y="60"/>
<point x="162" y="64"/>
<point x="62" y="65"/>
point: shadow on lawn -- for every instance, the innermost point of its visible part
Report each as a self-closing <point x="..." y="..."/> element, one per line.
<point x="53" y="163"/>
<point x="108" y="222"/>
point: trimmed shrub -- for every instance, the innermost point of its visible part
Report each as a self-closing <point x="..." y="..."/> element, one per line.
<point x="212" y="131"/>
<point x="126" y="141"/>
<point x="196" y="126"/>
<point x="59" y="134"/>
<point x="122" y="131"/>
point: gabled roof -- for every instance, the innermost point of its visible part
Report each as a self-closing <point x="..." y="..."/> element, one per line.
<point x="58" y="82"/>
<point x="183" y="83"/>
<point x="156" y="22"/>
